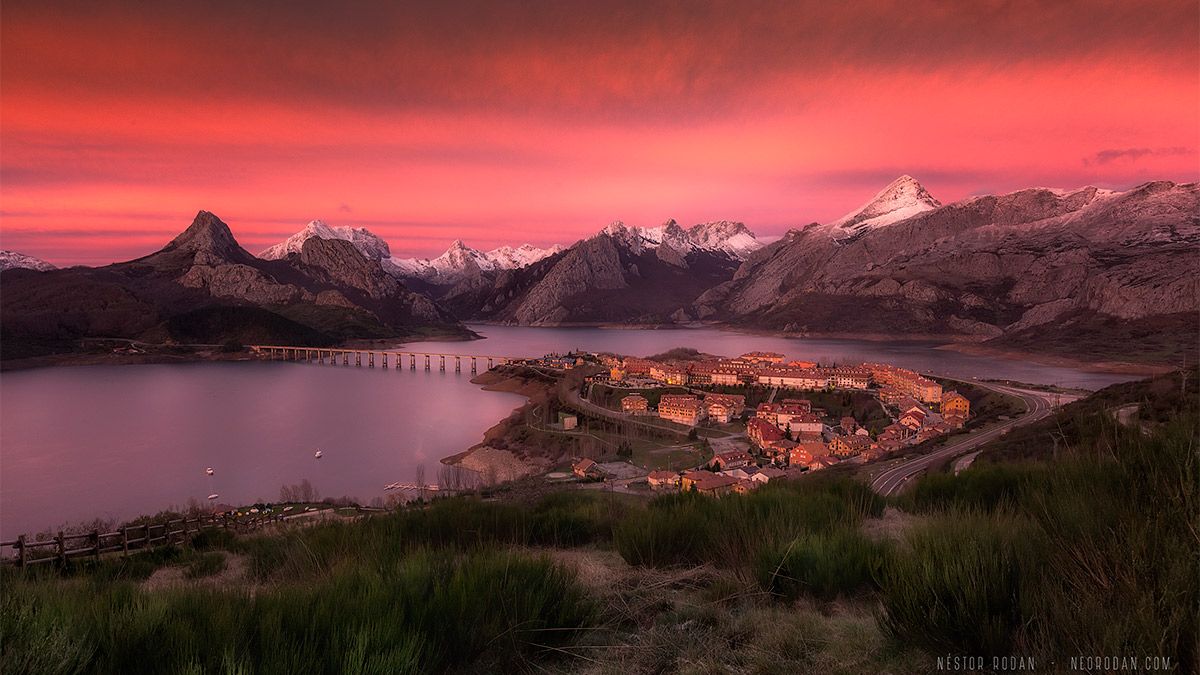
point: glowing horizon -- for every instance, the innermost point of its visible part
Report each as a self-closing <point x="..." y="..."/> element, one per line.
<point x="540" y="123"/>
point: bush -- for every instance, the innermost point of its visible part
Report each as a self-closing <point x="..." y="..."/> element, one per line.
<point x="822" y="565"/>
<point x="956" y="585"/>
<point x="425" y="612"/>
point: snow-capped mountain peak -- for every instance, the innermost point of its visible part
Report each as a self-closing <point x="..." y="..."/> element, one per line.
<point x="460" y="258"/>
<point x="903" y="198"/>
<point x="728" y="237"/>
<point x="12" y="260"/>
<point x="370" y="244"/>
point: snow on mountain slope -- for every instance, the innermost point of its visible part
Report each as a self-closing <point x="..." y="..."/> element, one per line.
<point x="731" y="238"/>
<point x="11" y="260"/>
<point x="460" y="258"/>
<point x="902" y="199"/>
<point x="370" y="244"/>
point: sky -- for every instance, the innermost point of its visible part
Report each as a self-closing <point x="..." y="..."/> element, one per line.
<point x="541" y="122"/>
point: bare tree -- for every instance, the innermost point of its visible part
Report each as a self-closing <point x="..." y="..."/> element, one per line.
<point x="420" y="479"/>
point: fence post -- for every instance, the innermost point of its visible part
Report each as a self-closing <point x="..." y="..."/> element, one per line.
<point x="21" y="550"/>
<point x="62" y="549"/>
<point x="124" y="541"/>
<point x="96" y="543"/>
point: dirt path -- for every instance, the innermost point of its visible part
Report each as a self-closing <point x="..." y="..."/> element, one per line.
<point x="174" y="576"/>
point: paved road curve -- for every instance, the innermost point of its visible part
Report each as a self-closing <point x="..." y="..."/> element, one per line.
<point x="1039" y="404"/>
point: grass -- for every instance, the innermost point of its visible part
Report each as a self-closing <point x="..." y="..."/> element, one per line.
<point x="824" y="565"/>
<point x="205" y="565"/>
<point x="687" y="529"/>
<point x="1095" y="553"/>
<point x="414" y="614"/>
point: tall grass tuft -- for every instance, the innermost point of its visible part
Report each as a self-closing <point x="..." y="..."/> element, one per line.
<point x="956" y="584"/>
<point x="824" y="565"/>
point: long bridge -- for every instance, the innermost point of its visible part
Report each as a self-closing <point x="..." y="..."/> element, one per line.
<point x="371" y="356"/>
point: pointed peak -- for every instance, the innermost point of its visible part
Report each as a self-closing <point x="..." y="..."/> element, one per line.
<point x="207" y="232"/>
<point x="615" y="227"/>
<point x="909" y="189"/>
<point x="903" y="198"/>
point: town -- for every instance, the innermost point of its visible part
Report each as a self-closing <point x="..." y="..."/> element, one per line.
<point x="764" y="417"/>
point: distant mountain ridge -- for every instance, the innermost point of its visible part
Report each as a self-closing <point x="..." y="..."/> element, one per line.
<point x="460" y="261"/>
<point x="1091" y="268"/>
<point x="13" y="260"/>
<point x="203" y="287"/>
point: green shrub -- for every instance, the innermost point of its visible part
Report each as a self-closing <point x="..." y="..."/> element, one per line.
<point x="425" y="612"/>
<point x="823" y="565"/>
<point x="956" y="584"/>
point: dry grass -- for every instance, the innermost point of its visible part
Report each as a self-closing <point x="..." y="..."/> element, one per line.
<point x="702" y="619"/>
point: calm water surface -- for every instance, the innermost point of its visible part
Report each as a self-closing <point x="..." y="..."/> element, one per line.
<point x="118" y="441"/>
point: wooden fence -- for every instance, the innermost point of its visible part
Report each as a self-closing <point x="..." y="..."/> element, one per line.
<point x="129" y="538"/>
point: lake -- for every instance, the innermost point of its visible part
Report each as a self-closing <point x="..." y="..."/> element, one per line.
<point x="78" y="443"/>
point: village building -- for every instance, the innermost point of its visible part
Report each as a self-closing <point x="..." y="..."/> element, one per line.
<point x="762" y="432"/>
<point x="847" y="377"/>
<point x="804" y="453"/>
<point x="767" y="474"/>
<point x="912" y="419"/>
<point x="956" y="404"/>
<point x="663" y="480"/>
<point x="735" y="401"/>
<point x="587" y="468"/>
<point x="804" y="423"/>
<point x="636" y="366"/>
<point x="707" y="482"/>
<point x="848" y="446"/>
<point x="616" y="373"/>
<point x="768" y="412"/>
<point x="802" y="403"/>
<point x="793" y="378"/>
<point x="681" y="408"/>
<point x="823" y="463"/>
<point x="732" y="459"/>
<point x="634" y="404"/>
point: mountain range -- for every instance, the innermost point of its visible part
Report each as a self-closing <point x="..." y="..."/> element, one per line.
<point x="204" y="288"/>
<point x="1080" y="272"/>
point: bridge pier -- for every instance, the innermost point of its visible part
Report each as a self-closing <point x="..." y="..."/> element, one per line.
<point x="458" y="364"/>
<point x="358" y="359"/>
<point x="384" y="356"/>
<point x="412" y="361"/>
<point x="442" y="364"/>
<point x="426" y="362"/>
<point x="473" y="365"/>
<point x="370" y="359"/>
<point x="489" y="363"/>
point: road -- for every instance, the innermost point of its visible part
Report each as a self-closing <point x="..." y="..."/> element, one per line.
<point x="1038" y="404"/>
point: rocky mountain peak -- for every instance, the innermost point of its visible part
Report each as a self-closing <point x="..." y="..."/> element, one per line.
<point x="903" y="198"/>
<point x="370" y="244"/>
<point x="207" y="234"/>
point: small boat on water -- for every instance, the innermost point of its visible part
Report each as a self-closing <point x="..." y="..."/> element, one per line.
<point x="213" y="496"/>
<point x="318" y="454"/>
<point x="209" y="471"/>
